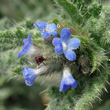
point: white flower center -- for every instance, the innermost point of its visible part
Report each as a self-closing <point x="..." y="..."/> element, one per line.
<point x="65" y="47"/>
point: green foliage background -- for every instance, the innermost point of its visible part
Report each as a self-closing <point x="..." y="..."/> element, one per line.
<point x="90" y="21"/>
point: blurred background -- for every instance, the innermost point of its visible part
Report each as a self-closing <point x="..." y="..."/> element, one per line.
<point x="15" y="11"/>
<point x="14" y="94"/>
<point x="25" y="8"/>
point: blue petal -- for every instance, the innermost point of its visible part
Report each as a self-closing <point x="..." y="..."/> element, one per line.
<point x="29" y="75"/>
<point x="28" y="72"/>
<point x="73" y="43"/>
<point x="63" y="87"/>
<point x="57" y="42"/>
<point x="70" y="55"/>
<point x="65" y="34"/>
<point x="27" y="45"/>
<point x="29" y="82"/>
<point x="74" y="85"/>
<point x="41" y="25"/>
<point x="20" y="54"/>
<point x="25" y="49"/>
<point x="54" y="33"/>
<point x="25" y="40"/>
<point x="59" y="50"/>
<point x="45" y="34"/>
<point x="51" y="27"/>
<point x="29" y="38"/>
<point x="67" y="81"/>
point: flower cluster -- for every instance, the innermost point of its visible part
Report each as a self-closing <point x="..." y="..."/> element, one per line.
<point x="63" y="45"/>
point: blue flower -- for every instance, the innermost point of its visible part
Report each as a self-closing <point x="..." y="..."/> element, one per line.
<point x="67" y="81"/>
<point x="29" y="75"/>
<point x="47" y="29"/>
<point x="66" y="45"/>
<point x="27" y="48"/>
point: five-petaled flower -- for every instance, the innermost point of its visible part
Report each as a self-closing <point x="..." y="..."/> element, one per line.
<point x="27" y="48"/>
<point x="47" y="29"/>
<point x="67" y="80"/>
<point x="31" y="74"/>
<point x="66" y="45"/>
